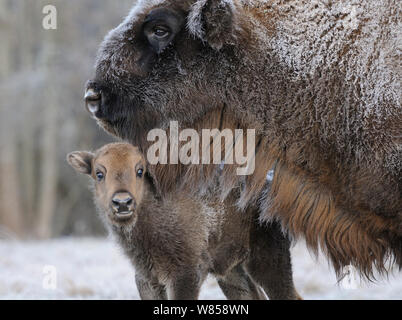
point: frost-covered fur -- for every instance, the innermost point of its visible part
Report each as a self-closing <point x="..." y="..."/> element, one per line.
<point x="320" y="81"/>
<point x="176" y="240"/>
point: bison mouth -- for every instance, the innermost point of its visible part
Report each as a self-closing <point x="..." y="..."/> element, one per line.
<point x="120" y="114"/>
<point x="105" y="108"/>
<point x="93" y="99"/>
<point x="122" y="217"/>
<point x="102" y="103"/>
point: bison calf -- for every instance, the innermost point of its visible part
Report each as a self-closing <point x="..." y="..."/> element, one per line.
<point x="175" y="241"/>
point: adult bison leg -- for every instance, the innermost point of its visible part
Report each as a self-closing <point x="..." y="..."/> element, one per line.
<point x="270" y="263"/>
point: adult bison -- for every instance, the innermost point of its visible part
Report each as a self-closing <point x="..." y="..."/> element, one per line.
<point x="320" y="81"/>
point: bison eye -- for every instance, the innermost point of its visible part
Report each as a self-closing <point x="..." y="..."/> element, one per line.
<point x="99" y="176"/>
<point x="140" y="172"/>
<point x="161" y="32"/>
<point x="159" y="37"/>
<point x="161" y="26"/>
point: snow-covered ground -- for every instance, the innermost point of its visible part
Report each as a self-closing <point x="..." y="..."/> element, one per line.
<point x="88" y="268"/>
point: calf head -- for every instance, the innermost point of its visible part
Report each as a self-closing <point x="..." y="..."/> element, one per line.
<point x="118" y="171"/>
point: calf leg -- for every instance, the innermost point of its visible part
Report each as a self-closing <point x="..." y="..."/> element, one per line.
<point x="237" y="285"/>
<point x="185" y="286"/>
<point x="269" y="263"/>
<point x="150" y="289"/>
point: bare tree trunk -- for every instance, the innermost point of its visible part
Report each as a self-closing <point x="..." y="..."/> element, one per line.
<point x="10" y="205"/>
<point x="28" y="172"/>
<point x="48" y="191"/>
<point x="27" y="136"/>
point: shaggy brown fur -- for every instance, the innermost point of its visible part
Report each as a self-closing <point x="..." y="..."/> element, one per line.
<point x="174" y="241"/>
<point x="320" y="81"/>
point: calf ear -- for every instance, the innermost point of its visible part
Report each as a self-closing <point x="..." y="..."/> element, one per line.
<point x="213" y="21"/>
<point x="81" y="161"/>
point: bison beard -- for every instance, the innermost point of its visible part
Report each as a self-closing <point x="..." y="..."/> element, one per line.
<point x="319" y="82"/>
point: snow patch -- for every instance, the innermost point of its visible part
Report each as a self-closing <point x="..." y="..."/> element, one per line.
<point x="95" y="268"/>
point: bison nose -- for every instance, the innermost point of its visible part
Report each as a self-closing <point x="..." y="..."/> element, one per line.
<point x="123" y="205"/>
<point x="92" y="100"/>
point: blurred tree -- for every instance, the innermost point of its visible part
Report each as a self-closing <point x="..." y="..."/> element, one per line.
<point x="42" y="118"/>
<point x="9" y="183"/>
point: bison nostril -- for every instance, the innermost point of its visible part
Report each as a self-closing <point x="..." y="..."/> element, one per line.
<point x="116" y="203"/>
<point x="92" y="100"/>
<point x="91" y="94"/>
<point x="122" y="203"/>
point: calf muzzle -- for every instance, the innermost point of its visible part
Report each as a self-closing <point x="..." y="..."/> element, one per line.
<point x="123" y="205"/>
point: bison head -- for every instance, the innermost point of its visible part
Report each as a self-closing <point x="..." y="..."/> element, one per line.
<point x="168" y="60"/>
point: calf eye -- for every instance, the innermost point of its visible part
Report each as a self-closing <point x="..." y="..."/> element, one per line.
<point x="140" y="172"/>
<point x="99" y="176"/>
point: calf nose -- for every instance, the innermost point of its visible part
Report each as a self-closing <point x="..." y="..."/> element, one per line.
<point x="92" y="100"/>
<point x="122" y="202"/>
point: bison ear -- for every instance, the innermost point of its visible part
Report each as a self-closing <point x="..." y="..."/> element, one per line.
<point x="81" y="161"/>
<point x="213" y="21"/>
